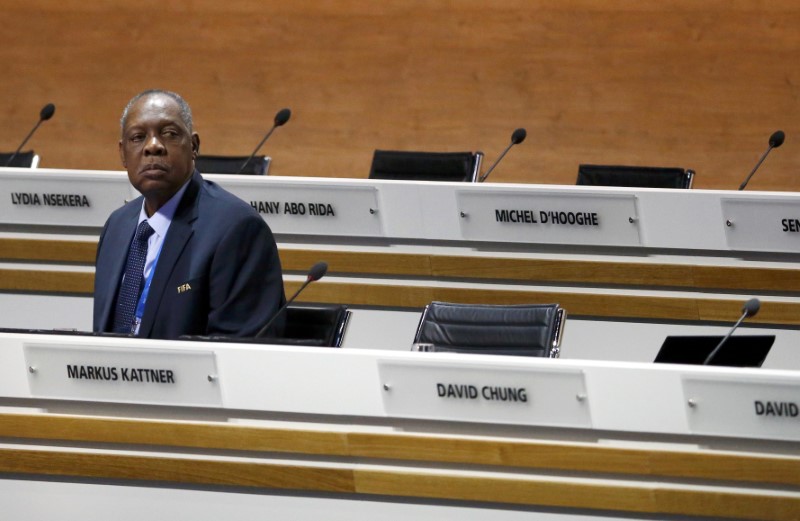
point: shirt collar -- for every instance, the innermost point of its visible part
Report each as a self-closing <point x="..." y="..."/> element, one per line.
<point x="161" y="220"/>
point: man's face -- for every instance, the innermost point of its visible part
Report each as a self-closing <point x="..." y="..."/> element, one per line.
<point x="157" y="149"/>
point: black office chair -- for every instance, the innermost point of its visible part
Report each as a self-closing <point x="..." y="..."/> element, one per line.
<point x="315" y="325"/>
<point x="320" y="325"/>
<point x="522" y="330"/>
<point x="27" y="159"/>
<point x="258" y="165"/>
<point x="635" y="176"/>
<point x="426" y="166"/>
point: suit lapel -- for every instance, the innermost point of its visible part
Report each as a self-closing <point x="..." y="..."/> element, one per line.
<point x="117" y="245"/>
<point x="180" y="231"/>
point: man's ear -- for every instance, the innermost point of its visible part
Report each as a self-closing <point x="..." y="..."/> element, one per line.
<point x="195" y="144"/>
<point x="122" y="155"/>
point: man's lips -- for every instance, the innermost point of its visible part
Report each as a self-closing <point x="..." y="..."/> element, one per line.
<point x="153" y="168"/>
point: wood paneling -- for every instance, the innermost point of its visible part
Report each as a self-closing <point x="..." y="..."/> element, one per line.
<point x="670" y="83"/>
<point x="376" y="294"/>
<point x="650" y="498"/>
<point x="578" y="303"/>
<point x="476" y="269"/>
<point x="447" y="485"/>
<point x="582" y="458"/>
<point x="176" y="470"/>
<point x="59" y="251"/>
<point x="680" y="496"/>
<point x="41" y="281"/>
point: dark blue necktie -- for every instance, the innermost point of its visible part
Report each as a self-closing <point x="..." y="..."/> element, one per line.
<point x="132" y="282"/>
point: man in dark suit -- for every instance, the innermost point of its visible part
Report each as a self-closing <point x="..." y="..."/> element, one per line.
<point x="205" y="262"/>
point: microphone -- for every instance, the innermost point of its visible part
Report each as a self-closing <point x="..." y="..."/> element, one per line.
<point x="316" y="272"/>
<point x="775" y="140"/>
<point x="749" y="309"/>
<point x="517" y="137"/>
<point x="45" y="114"/>
<point x="281" y="118"/>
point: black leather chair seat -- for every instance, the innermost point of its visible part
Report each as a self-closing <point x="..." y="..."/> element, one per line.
<point x="526" y="330"/>
<point x="635" y="176"/>
<point x="258" y="165"/>
<point x="22" y="160"/>
<point x="425" y="166"/>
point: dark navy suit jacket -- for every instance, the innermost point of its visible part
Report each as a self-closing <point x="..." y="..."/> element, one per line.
<point x="218" y="272"/>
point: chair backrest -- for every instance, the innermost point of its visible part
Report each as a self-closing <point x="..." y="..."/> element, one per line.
<point x="318" y="325"/>
<point x="27" y="159"/>
<point x="426" y="166"/>
<point x="635" y="176"/>
<point x="524" y="330"/>
<point x="259" y="165"/>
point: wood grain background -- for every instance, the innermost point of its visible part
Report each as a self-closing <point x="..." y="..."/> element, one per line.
<point x="670" y="83"/>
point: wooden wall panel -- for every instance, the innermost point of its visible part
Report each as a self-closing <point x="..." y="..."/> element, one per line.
<point x="773" y="469"/>
<point x="704" y="482"/>
<point x="673" y="82"/>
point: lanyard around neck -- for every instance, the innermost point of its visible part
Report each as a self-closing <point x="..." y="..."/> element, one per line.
<point x="137" y="318"/>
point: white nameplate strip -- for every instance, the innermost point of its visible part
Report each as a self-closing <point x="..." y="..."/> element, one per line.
<point x="762" y="224"/>
<point x="743" y="407"/>
<point x="61" y="198"/>
<point x="114" y="374"/>
<point x="441" y="391"/>
<point x="537" y="217"/>
<point x="312" y="209"/>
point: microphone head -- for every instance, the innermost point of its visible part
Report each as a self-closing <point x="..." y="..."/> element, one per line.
<point x="282" y="117"/>
<point x="50" y="109"/>
<point x="317" y="271"/>
<point x="518" y="136"/>
<point x="776" y="139"/>
<point x="751" y="307"/>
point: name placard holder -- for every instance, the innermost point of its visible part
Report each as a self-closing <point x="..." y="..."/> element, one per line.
<point x="131" y="375"/>
<point x="311" y="209"/>
<point x="743" y="406"/>
<point x="497" y="215"/>
<point x="55" y="198"/>
<point x="761" y="224"/>
<point x="452" y="391"/>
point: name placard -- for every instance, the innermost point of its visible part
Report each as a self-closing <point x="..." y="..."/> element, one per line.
<point x="306" y="209"/>
<point x="547" y="397"/>
<point x="114" y="374"/>
<point x="55" y="198"/>
<point x="761" y="224"/>
<point x="746" y="407"/>
<point x="539" y="217"/>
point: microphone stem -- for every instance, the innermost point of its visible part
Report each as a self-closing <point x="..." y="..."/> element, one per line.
<point x="763" y="157"/>
<point x="10" y="159"/>
<point x="484" y="176"/>
<point x="716" y="349"/>
<point x="257" y="149"/>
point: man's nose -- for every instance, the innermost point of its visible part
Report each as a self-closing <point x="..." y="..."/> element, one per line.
<point x="154" y="146"/>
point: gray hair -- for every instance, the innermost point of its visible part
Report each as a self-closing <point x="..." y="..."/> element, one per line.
<point x="185" y="110"/>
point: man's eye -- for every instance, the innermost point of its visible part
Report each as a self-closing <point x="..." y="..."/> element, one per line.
<point x="171" y="133"/>
<point x="136" y="138"/>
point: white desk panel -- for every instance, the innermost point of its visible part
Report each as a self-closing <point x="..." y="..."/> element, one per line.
<point x="426" y="213"/>
<point x="61" y="197"/>
<point x="621" y="396"/>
